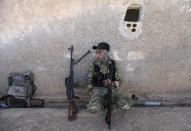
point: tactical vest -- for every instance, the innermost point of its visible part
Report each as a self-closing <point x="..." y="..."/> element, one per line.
<point x="99" y="77"/>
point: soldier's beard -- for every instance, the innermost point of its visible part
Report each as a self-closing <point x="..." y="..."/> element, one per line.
<point x="105" y="58"/>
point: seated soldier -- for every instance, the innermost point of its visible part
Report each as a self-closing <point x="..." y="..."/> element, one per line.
<point x="97" y="81"/>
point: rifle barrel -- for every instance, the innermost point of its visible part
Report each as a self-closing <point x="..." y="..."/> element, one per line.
<point x="82" y="57"/>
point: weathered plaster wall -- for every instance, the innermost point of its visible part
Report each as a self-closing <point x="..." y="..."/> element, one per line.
<point x="155" y="61"/>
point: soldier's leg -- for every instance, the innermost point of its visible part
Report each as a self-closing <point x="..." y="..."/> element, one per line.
<point x="120" y="100"/>
<point x="96" y="100"/>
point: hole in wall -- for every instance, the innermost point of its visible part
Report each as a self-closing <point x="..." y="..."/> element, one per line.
<point x="131" y="22"/>
<point x="134" y="25"/>
<point x="132" y="17"/>
<point x="133" y="30"/>
<point x="128" y="25"/>
<point x="133" y="13"/>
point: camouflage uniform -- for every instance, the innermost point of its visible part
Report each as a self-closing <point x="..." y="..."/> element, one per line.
<point x="97" y="97"/>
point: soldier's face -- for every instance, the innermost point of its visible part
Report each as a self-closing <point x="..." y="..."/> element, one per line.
<point x="99" y="54"/>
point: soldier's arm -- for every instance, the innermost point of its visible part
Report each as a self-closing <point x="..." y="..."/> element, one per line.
<point x="90" y="76"/>
<point x="117" y="76"/>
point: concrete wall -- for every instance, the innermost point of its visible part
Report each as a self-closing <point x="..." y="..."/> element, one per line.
<point x="155" y="61"/>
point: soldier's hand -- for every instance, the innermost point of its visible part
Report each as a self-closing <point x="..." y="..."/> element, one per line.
<point x="90" y="88"/>
<point x="107" y="82"/>
<point x="114" y="85"/>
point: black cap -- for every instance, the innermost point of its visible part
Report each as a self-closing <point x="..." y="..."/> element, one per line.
<point x="102" y="46"/>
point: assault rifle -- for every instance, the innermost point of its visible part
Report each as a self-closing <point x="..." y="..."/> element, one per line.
<point x="109" y="95"/>
<point x="69" y="83"/>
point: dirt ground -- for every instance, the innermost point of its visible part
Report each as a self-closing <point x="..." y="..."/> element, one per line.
<point x="136" y="119"/>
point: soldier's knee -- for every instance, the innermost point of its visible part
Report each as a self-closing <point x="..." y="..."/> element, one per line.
<point x="94" y="109"/>
<point x="125" y="107"/>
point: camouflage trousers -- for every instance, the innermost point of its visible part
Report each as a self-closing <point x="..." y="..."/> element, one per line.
<point x="97" y="100"/>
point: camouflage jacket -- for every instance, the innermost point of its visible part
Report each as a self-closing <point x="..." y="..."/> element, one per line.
<point x="103" y="70"/>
